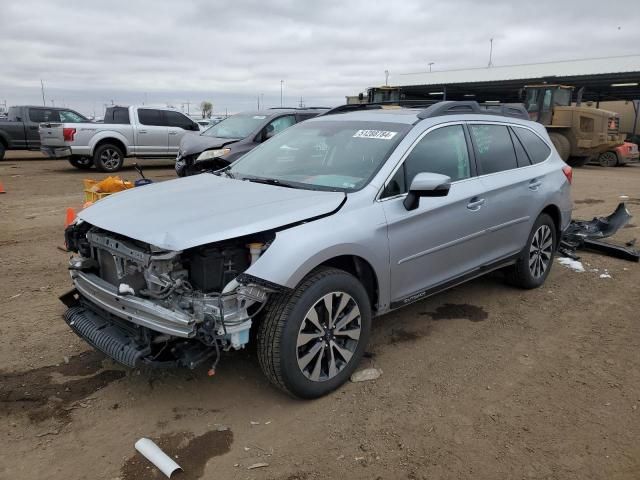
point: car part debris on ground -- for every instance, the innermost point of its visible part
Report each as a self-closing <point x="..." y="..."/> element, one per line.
<point x="588" y="235"/>
<point x="366" y="374"/>
<point x="161" y="460"/>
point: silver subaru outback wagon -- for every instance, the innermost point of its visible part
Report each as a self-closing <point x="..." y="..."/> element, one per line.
<point x="300" y="243"/>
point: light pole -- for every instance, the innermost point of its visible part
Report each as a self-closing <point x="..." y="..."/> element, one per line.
<point x="281" y="84"/>
<point x="490" y="53"/>
<point x="430" y="63"/>
<point x="386" y="77"/>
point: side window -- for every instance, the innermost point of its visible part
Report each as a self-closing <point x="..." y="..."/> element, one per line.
<point x="148" y="116"/>
<point x="121" y="115"/>
<point x="441" y="151"/>
<point x="396" y="185"/>
<point x="176" y="119"/>
<point x="281" y="123"/>
<point x="538" y="150"/>
<point x="493" y="148"/>
<point x="68" y="116"/>
<point x="521" y="154"/>
<point x="40" y="115"/>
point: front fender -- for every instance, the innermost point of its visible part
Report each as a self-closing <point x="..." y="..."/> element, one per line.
<point x="296" y="251"/>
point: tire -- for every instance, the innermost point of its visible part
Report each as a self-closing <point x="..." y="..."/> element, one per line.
<point x="294" y="354"/>
<point x="562" y="144"/>
<point x="522" y="274"/>
<point x="82" y="163"/>
<point x="108" y="158"/>
<point x="2" y="150"/>
<point x="608" y="159"/>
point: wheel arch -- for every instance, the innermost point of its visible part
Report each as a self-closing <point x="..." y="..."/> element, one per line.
<point x="359" y="268"/>
<point x="111" y="139"/>
<point x="4" y="140"/>
<point x="554" y="212"/>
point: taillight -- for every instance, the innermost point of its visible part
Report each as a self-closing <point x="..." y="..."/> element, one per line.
<point x="68" y="134"/>
<point x="568" y="172"/>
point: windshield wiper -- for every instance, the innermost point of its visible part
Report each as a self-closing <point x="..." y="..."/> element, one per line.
<point x="271" y="181"/>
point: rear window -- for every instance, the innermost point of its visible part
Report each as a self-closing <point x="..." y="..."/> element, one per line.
<point x="148" y="116"/>
<point x="538" y="150"/>
<point x="40" y="115"/>
<point x="493" y="148"/>
<point x="117" y="115"/>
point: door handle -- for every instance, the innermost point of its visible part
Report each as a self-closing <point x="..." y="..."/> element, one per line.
<point x="475" y="204"/>
<point x="534" y="184"/>
<point x="142" y="131"/>
<point x="172" y="132"/>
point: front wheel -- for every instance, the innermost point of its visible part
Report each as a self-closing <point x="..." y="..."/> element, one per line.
<point x="312" y="339"/>
<point x="108" y="158"/>
<point x="534" y="264"/>
<point x="608" y="159"/>
<point x="83" y="163"/>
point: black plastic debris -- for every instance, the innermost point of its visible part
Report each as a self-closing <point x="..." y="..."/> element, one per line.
<point x="588" y="235"/>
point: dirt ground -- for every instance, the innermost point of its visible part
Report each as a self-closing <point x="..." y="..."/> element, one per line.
<point x="481" y="382"/>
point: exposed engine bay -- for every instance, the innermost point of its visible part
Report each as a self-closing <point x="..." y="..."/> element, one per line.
<point x="137" y="302"/>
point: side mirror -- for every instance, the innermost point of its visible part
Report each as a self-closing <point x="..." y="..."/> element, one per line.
<point x="426" y="185"/>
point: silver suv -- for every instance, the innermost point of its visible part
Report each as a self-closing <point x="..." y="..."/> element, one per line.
<point x="305" y="239"/>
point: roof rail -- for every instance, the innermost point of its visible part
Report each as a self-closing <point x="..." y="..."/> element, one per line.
<point x="350" y="107"/>
<point x="471" y="106"/>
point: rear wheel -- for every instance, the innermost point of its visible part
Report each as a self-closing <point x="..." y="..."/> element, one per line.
<point x="83" y="163"/>
<point x="562" y="145"/>
<point x="108" y="158"/>
<point x="2" y="150"/>
<point x="534" y="264"/>
<point x="312" y="339"/>
<point x="608" y="159"/>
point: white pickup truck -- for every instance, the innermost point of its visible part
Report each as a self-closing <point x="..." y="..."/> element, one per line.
<point x="135" y="131"/>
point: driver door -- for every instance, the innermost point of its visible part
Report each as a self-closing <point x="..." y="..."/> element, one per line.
<point x="444" y="238"/>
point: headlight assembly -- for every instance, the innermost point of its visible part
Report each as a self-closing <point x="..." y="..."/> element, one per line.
<point x="209" y="154"/>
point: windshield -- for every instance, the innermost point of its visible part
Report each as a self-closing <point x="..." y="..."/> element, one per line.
<point x="330" y="155"/>
<point x="236" y="126"/>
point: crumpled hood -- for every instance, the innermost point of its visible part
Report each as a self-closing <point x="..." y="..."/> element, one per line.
<point x="191" y="211"/>
<point x="192" y="144"/>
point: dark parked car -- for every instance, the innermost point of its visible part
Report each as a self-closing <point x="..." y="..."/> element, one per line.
<point x="19" y="131"/>
<point x="234" y="136"/>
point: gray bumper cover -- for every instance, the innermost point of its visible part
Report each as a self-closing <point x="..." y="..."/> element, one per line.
<point x="131" y="308"/>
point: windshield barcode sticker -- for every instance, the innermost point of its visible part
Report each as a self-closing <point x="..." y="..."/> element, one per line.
<point x="381" y="134"/>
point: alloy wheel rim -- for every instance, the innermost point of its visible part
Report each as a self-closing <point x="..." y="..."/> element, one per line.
<point x="608" y="159"/>
<point x="110" y="158"/>
<point x="540" y="251"/>
<point x="329" y="336"/>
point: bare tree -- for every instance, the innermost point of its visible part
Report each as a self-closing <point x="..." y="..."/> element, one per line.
<point x="207" y="109"/>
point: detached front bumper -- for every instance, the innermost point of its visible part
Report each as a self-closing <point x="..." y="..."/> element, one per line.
<point x="131" y="308"/>
<point x="56" y="152"/>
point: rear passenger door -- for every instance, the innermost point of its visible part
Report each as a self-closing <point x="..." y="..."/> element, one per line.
<point x="444" y="237"/>
<point x="151" y="133"/>
<point x="511" y="186"/>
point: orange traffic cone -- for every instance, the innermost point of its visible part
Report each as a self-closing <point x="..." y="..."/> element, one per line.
<point x="70" y="217"/>
<point x="2" y="188"/>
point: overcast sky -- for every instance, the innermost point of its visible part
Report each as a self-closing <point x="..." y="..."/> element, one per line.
<point x="89" y="52"/>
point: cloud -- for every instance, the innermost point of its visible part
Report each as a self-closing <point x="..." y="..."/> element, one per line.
<point x="90" y="52"/>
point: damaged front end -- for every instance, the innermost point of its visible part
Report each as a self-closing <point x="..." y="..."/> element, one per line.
<point x="140" y="304"/>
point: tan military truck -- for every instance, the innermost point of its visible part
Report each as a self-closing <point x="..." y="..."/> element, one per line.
<point x="578" y="132"/>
